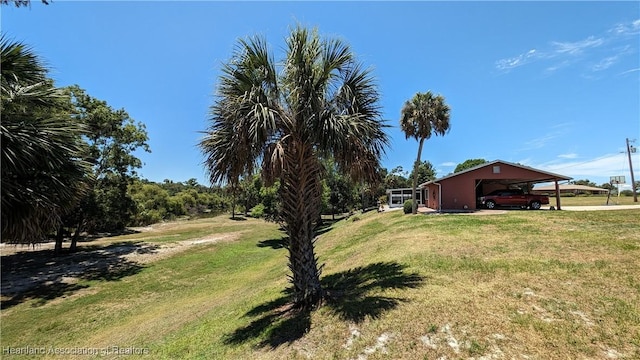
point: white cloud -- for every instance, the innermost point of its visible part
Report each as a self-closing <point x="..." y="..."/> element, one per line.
<point x="575" y="48"/>
<point x="623" y="29"/>
<point x="605" y="63"/>
<point x="449" y="164"/>
<point x="565" y="53"/>
<point x="568" y="156"/>
<point x="558" y="66"/>
<point x="629" y="71"/>
<point x="539" y="142"/>
<point x="557" y="130"/>
<point x="522" y="59"/>
<point x="598" y="169"/>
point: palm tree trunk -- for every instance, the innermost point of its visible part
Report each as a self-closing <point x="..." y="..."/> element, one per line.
<point x="233" y="204"/>
<point x="414" y="182"/>
<point x="302" y="199"/>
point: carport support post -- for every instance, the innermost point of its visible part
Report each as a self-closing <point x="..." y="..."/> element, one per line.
<point x="439" y="197"/>
<point x="558" y="195"/>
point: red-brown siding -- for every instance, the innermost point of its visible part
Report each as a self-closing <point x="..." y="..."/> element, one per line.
<point x="459" y="191"/>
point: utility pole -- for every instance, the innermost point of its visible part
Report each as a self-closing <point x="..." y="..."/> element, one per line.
<point x="631" y="149"/>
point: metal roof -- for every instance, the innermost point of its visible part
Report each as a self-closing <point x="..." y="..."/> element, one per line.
<point x="569" y="187"/>
<point x="491" y="163"/>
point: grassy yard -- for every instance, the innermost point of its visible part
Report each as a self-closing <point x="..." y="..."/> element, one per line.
<point x="526" y="284"/>
<point x="594" y="200"/>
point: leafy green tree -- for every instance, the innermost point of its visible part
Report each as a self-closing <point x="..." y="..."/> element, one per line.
<point x="249" y="192"/>
<point x="340" y="193"/>
<point x="153" y="202"/>
<point x="112" y="137"/>
<point x="425" y="114"/>
<point x="426" y="172"/>
<point x="468" y="164"/>
<point x="168" y="200"/>
<point x="398" y="170"/>
<point x="192" y="183"/>
<point x="608" y="186"/>
<point x="270" y="202"/>
<point x="172" y="187"/>
<point x="584" y="182"/>
<point x="367" y="193"/>
<point x="380" y="189"/>
<point x="396" y="179"/>
<point x="212" y="200"/>
<point x="320" y="102"/>
<point x="43" y="174"/>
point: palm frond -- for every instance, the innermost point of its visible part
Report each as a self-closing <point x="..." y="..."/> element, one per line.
<point x="424" y="115"/>
<point x="245" y="115"/>
<point x="19" y="63"/>
<point x="42" y="164"/>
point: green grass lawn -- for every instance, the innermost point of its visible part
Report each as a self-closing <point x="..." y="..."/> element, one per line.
<point x="594" y="200"/>
<point x="526" y="284"/>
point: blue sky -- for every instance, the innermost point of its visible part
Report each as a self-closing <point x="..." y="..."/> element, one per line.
<point x="553" y="85"/>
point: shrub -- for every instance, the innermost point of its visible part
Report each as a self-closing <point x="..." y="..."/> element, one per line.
<point x="147" y="217"/>
<point x="257" y="211"/>
<point x="626" y="193"/>
<point x="408" y="206"/>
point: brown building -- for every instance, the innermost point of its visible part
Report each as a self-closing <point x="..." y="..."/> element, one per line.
<point x="460" y="191"/>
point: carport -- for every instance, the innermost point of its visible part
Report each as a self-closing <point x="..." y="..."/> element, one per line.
<point x="461" y="190"/>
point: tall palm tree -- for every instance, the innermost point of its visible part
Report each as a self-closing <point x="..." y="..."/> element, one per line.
<point x="425" y="114"/>
<point x="42" y="166"/>
<point x="318" y="102"/>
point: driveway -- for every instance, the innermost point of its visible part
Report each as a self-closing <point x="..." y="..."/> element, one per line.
<point x="425" y="210"/>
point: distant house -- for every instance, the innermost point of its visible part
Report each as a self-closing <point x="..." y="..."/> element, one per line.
<point x="397" y="197"/>
<point x="570" y="189"/>
<point x="460" y="191"/>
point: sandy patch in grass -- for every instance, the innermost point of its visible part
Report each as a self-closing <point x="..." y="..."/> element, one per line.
<point x="152" y="252"/>
<point x="380" y="346"/>
<point x="354" y="333"/>
<point x="67" y="270"/>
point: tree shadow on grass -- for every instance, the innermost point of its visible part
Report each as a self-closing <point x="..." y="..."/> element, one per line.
<point x="102" y="235"/>
<point x="352" y="295"/>
<point x="323" y="229"/>
<point x="276" y="244"/>
<point x="327" y="225"/>
<point x="42" y="276"/>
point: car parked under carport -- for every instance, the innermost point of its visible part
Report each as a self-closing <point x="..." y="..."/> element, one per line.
<point x="513" y="198"/>
<point x="460" y="191"/>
